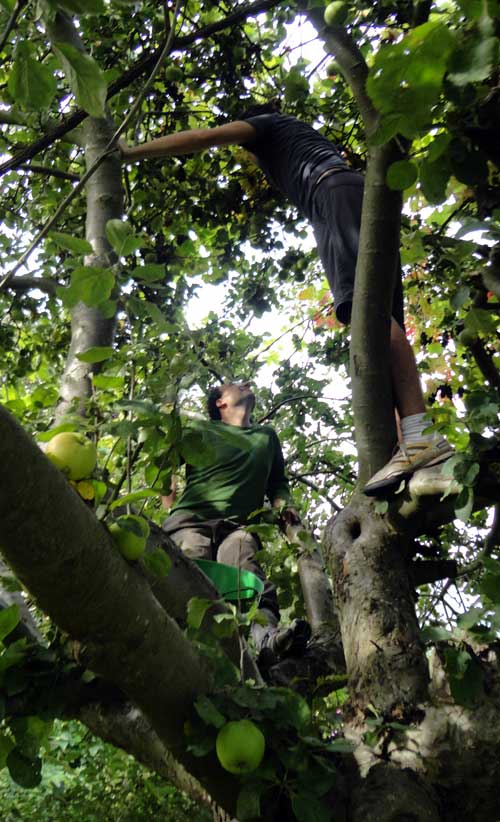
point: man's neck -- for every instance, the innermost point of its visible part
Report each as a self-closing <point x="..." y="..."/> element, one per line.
<point x="236" y="416"/>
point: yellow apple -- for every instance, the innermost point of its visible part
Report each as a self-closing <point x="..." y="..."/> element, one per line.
<point x="72" y="453"/>
<point x="240" y="746"/>
<point x="130" y="534"/>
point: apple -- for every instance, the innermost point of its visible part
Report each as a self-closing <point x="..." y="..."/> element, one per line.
<point x="130" y="534"/>
<point x="336" y="13"/>
<point x="332" y="68"/>
<point x="72" y="453"/>
<point x="240" y="746"/>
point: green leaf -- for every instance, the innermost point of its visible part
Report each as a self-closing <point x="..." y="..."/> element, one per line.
<point x="248" y="802"/>
<point x="149" y="273"/>
<point x="197" y="608"/>
<point x="434" y="633"/>
<point x="105" y="382"/>
<point x="128" y="499"/>
<point x="85" y="78"/>
<point x="480" y="321"/>
<point x="464" y="504"/>
<point x="31" y="83"/>
<point x="206" y="709"/>
<point x="26" y="772"/>
<point x="406" y="77"/>
<point x="9" y="618"/>
<point x="465" y="676"/>
<point x="89" y="285"/>
<point x="402" y="174"/>
<point x="490" y="587"/>
<point x="98" y="353"/>
<point x="460" y="297"/>
<point x="307" y="808"/>
<point x="122" y="238"/>
<point x="474" y="62"/>
<point x="75" y="244"/>
<point x="434" y="178"/>
<point x="158" y="562"/>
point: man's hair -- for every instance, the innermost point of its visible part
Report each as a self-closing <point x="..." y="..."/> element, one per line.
<point x="259" y="108"/>
<point x="213" y="395"/>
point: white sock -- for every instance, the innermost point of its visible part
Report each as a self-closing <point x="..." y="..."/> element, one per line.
<point x="412" y="428"/>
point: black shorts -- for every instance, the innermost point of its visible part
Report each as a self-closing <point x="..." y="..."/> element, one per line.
<point x="336" y="221"/>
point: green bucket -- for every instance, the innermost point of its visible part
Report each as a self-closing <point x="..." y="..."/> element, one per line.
<point x="232" y="583"/>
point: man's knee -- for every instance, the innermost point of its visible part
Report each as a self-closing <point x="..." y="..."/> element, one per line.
<point x="237" y="549"/>
<point x="193" y="543"/>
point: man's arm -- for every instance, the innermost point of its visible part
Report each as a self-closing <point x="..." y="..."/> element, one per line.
<point x="189" y="142"/>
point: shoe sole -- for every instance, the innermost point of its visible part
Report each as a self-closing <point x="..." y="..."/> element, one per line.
<point x="371" y="490"/>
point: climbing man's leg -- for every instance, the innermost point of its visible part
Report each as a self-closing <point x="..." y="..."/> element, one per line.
<point x="238" y="548"/>
<point x="417" y="449"/>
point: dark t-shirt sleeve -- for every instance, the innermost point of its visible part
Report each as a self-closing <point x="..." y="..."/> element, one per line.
<point x="277" y="484"/>
<point x="263" y="124"/>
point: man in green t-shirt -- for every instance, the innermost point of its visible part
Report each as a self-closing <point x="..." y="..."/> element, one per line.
<point x="236" y="466"/>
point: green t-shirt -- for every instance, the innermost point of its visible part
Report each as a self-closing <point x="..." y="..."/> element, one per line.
<point x="229" y="470"/>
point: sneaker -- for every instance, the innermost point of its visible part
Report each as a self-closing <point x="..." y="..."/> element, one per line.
<point x="290" y="640"/>
<point x="427" y="482"/>
<point x="409" y="457"/>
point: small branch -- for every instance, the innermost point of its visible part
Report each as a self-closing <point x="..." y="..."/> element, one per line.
<point x="485" y="363"/>
<point x="491" y="542"/>
<point x="12" y="22"/>
<point x="276" y="408"/>
<point x="316" y="488"/>
<point x="28" y="283"/>
<point x="52" y="172"/>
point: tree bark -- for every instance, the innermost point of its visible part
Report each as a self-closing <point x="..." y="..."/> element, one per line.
<point x="104" y="192"/>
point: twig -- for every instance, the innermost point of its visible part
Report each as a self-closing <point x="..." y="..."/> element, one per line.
<point x="12" y="22"/>
<point x="53" y="172"/>
<point x="93" y="168"/>
<point x="316" y="488"/>
<point x="276" y="408"/>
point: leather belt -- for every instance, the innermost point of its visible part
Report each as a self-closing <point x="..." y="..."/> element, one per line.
<point x="328" y="173"/>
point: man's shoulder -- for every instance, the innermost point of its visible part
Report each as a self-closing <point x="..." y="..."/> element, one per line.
<point x="268" y="430"/>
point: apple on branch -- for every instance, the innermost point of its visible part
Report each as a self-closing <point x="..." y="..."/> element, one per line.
<point x="73" y="453"/>
<point x="240" y="746"/>
<point x="130" y="534"/>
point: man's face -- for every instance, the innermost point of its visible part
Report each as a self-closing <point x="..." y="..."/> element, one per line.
<point x="235" y="394"/>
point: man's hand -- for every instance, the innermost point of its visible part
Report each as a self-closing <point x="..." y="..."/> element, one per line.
<point x="286" y="514"/>
<point x="124" y="149"/>
<point x="289" y="516"/>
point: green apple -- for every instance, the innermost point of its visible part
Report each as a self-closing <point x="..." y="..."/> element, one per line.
<point x="130" y="534"/>
<point x="240" y="746"/>
<point x="336" y="13"/>
<point x="72" y="453"/>
<point x="332" y="68"/>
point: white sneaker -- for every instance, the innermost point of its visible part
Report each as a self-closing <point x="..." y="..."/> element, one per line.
<point x="409" y="457"/>
<point x="427" y="482"/>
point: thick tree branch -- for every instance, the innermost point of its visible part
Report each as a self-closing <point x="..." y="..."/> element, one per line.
<point x="66" y="559"/>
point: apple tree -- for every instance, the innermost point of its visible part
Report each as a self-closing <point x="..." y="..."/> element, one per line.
<point x="393" y="713"/>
